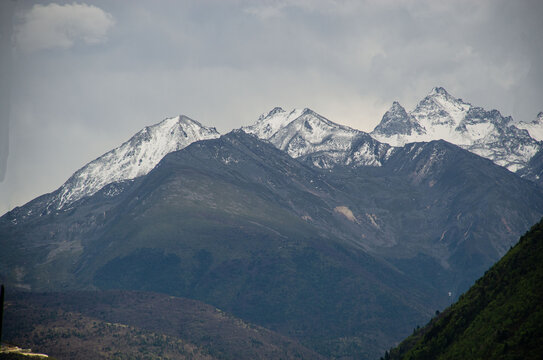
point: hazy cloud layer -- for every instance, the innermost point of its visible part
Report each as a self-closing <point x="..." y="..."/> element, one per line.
<point x="224" y="62"/>
<point x="53" y="25"/>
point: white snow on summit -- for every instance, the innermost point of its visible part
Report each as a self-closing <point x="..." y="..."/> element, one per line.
<point x="134" y="158"/>
<point x="442" y="116"/>
<point x="268" y="124"/>
<point x="535" y="127"/>
<point x="304" y="133"/>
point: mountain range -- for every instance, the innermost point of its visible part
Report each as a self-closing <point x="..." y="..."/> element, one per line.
<point x="442" y="116"/>
<point x="309" y="228"/>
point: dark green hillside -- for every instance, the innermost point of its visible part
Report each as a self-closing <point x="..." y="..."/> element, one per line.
<point x="500" y="317"/>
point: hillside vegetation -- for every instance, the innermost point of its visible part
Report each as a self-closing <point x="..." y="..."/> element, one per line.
<point x="137" y="325"/>
<point x="500" y="317"/>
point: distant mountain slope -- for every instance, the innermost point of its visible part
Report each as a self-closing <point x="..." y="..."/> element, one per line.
<point x="441" y="116"/>
<point x="431" y="208"/>
<point x="138" y="325"/>
<point x="304" y="134"/>
<point x="500" y="317"/>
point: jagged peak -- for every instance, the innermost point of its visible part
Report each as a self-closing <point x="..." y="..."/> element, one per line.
<point x="185" y="119"/>
<point x="309" y="111"/>
<point x="438" y="90"/>
<point x="322" y="120"/>
<point x="170" y="122"/>
<point x="396" y="108"/>
<point x="539" y="117"/>
<point x="272" y="112"/>
<point x="441" y="97"/>
<point x="396" y="121"/>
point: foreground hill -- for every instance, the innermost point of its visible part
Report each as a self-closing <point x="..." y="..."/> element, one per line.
<point x="137" y="325"/>
<point x="500" y="317"/>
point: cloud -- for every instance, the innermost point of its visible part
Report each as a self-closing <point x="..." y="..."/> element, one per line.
<point x="62" y="26"/>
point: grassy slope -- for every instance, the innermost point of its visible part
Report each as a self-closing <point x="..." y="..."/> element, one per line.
<point x="500" y="317"/>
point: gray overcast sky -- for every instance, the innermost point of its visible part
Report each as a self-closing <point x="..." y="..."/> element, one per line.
<point x="79" y="78"/>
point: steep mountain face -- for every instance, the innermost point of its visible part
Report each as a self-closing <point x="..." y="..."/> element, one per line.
<point x="535" y="127"/>
<point x="307" y="135"/>
<point x="460" y="189"/>
<point x="438" y="211"/>
<point x="134" y="158"/>
<point x="441" y="116"/>
<point x="396" y="121"/>
<point x="498" y="318"/>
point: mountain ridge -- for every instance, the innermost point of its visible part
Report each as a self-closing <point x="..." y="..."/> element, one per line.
<point x="312" y="138"/>
<point x="305" y="134"/>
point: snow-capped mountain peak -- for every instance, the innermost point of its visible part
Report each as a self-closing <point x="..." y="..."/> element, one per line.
<point x="303" y="133"/>
<point x="441" y="116"/>
<point x="396" y="122"/>
<point x="134" y="158"/>
<point x="269" y="123"/>
<point x="439" y="108"/>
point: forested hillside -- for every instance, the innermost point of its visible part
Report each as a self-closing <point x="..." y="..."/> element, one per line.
<point x="500" y="317"/>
